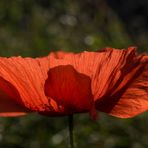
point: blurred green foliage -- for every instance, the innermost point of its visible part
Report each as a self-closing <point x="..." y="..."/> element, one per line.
<point x="35" y="28"/>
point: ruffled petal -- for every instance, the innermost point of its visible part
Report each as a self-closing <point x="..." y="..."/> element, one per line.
<point x="103" y="67"/>
<point x="128" y="96"/>
<point x="27" y="76"/>
<point x="108" y="73"/>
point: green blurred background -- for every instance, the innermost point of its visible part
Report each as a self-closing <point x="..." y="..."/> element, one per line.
<point x="37" y="27"/>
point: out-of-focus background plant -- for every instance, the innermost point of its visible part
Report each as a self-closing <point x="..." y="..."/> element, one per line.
<point x="37" y="27"/>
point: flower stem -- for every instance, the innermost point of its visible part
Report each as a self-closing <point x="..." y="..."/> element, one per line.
<point x="71" y="135"/>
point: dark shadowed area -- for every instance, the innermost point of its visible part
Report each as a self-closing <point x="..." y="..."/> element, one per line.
<point x="37" y="27"/>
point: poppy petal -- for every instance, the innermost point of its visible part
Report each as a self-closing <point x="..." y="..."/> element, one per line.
<point x="84" y="62"/>
<point x="69" y="89"/>
<point x="102" y="67"/>
<point x="108" y="72"/>
<point x="128" y="96"/>
<point x="8" y="107"/>
<point x="27" y="76"/>
<point x="95" y="65"/>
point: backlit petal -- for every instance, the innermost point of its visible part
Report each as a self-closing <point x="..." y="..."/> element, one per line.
<point x="129" y="96"/>
<point x="102" y="67"/>
<point x="27" y="76"/>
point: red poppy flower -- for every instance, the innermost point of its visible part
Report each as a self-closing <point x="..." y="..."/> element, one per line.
<point x="111" y="81"/>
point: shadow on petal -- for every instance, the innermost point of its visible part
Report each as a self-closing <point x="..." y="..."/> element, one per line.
<point x="131" y="98"/>
<point x="69" y="89"/>
<point x="10" y="102"/>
